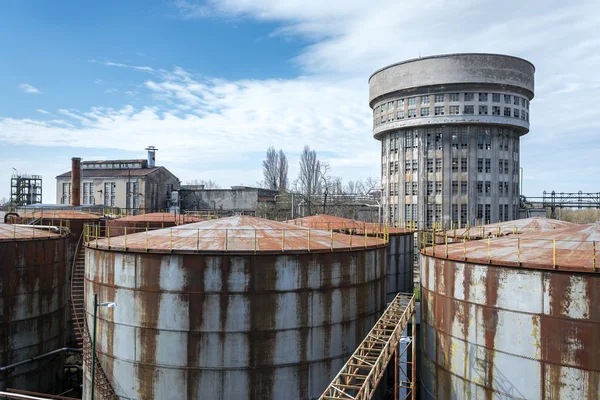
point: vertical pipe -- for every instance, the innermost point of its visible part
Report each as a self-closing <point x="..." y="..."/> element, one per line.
<point x="413" y="377"/>
<point x="75" y="181"/>
<point x="94" y="347"/>
<point x="446" y="237"/>
<point x="396" y="372"/>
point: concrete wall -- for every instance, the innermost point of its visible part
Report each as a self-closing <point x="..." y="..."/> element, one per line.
<point x="240" y="200"/>
<point x="453" y="69"/>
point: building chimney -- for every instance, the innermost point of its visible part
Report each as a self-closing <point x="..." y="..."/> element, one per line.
<point x="75" y="181"/>
<point x="151" y="156"/>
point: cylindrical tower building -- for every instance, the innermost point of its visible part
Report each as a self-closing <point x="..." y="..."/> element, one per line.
<point x="449" y="128"/>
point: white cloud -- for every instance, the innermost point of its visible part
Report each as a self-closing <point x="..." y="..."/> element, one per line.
<point x="121" y="65"/>
<point x="203" y="125"/>
<point x="111" y="90"/>
<point x="42" y="111"/>
<point x="27" y="88"/>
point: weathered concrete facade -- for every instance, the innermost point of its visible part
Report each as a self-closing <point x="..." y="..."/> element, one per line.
<point x="238" y="199"/>
<point x="449" y="128"/>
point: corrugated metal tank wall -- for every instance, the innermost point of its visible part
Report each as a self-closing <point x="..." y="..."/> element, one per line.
<point x="33" y="300"/>
<point x="232" y="327"/>
<point x="496" y="332"/>
<point x="400" y="264"/>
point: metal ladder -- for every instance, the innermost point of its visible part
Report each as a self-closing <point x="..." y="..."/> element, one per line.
<point x="103" y="388"/>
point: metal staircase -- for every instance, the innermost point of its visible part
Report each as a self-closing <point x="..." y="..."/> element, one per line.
<point x="103" y="388"/>
<point x="358" y="379"/>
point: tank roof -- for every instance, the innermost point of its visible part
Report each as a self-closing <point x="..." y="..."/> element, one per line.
<point x="160" y="217"/>
<point x="571" y="248"/>
<point x="330" y="222"/>
<point x="518" y="226"/>
<point x="237" y="234"/>
<point x="61" y="214"/>
<point x="450" y="55"/>
<point x="11" y="232"/>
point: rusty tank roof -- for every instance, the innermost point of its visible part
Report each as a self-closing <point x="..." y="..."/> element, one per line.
<point x="518" y="226"/>
<point x="60" y="214"/>
<point x="236" y="234"/>
<point x="330" y="222"/>
<point x="178" y="219"/>
<point x="12" y="232"/>
<point x="575" y="248"/>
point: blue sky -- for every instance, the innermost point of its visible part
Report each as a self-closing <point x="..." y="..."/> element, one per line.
<point x="213" y="84"/>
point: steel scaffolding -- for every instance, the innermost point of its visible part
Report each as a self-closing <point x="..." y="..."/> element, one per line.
<point x="25" y="189"/>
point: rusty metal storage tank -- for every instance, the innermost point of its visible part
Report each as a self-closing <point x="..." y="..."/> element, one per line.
<point x="33" y="298"/>
<point x="513" y="317"/>
<point x="151" y="221"/>
<point x="234" y="308"/>
<point x="506" y="228"/>
<point x="400" y="250"/>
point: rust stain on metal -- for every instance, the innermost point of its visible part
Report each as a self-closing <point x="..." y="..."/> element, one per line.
<point x="243" y="234"/>
<point x="499" y="229"/>
<point x="300" y="315"/>
<point x="540" y="325"/>
<point x="143" y="222"/>
<point x="33" y="291"/>
<point x="339" y="224"/>
<point x="573" y="252"/>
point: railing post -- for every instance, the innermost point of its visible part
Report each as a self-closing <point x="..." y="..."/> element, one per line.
<point x="309" y="239"/>
<point x="255" y="241"/>
<point x="519" y="251"/>
<point x="146" y="238"/>
<point x="465" y="248"/>
<point x="125" y="240"/>
<point x="226" y="237"/>
<point x="446" y="237"/>
<point x="489" y="243"/>
<point x="331" y="240"/>
<point x="171" y="239"/>
<point x="198" y="240"/>
<point x="108" y="235"/>
<point x="282" y="240"/>
<point x="365" y="229"/>
<point x="594" y="256"/>
<point x="351" y="231"/>
<point x="554" y="253"/>
<point x="433" y="241"/>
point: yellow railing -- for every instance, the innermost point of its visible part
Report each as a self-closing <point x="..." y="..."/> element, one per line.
<point x="229" y="239"/>
<point x="554" y="253"/>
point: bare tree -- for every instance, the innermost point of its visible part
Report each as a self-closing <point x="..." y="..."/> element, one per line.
<point x="271" y="169"/>
<point x="283" y="172"/>
<point x="309" y="178"/>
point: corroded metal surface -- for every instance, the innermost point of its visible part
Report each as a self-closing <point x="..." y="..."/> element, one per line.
<point x="10" y="232"/>
<point x="33" y="297"/>
<point x="530" y="332"/>
<point x="235" y="234"/>
<point x="330" y="222"/>
<point x="518" y="226"/>
<point x="152" y="221"/>
<point x="574" y="249"/>
<point x="400" y="247"/>
<point x="231" y="326"/>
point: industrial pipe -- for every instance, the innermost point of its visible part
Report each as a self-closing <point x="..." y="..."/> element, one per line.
<point x="30" y="360"/>
<point x="75" y="181"/>
<point x="9" y="214"/>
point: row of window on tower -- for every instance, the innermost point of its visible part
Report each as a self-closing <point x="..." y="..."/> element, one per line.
<point x="425" y="100"/>
<point x="434" y="188"/>
<point x="435" y="165"/>
<point x="460" y="213"/>
<point x="459" y="139"/>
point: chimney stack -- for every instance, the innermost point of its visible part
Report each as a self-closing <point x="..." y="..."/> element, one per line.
<point x="75" y="181"/>
<point x="151" y="156"/>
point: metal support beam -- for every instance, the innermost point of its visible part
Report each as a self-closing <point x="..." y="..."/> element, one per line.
<point x="359" y="378"/>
